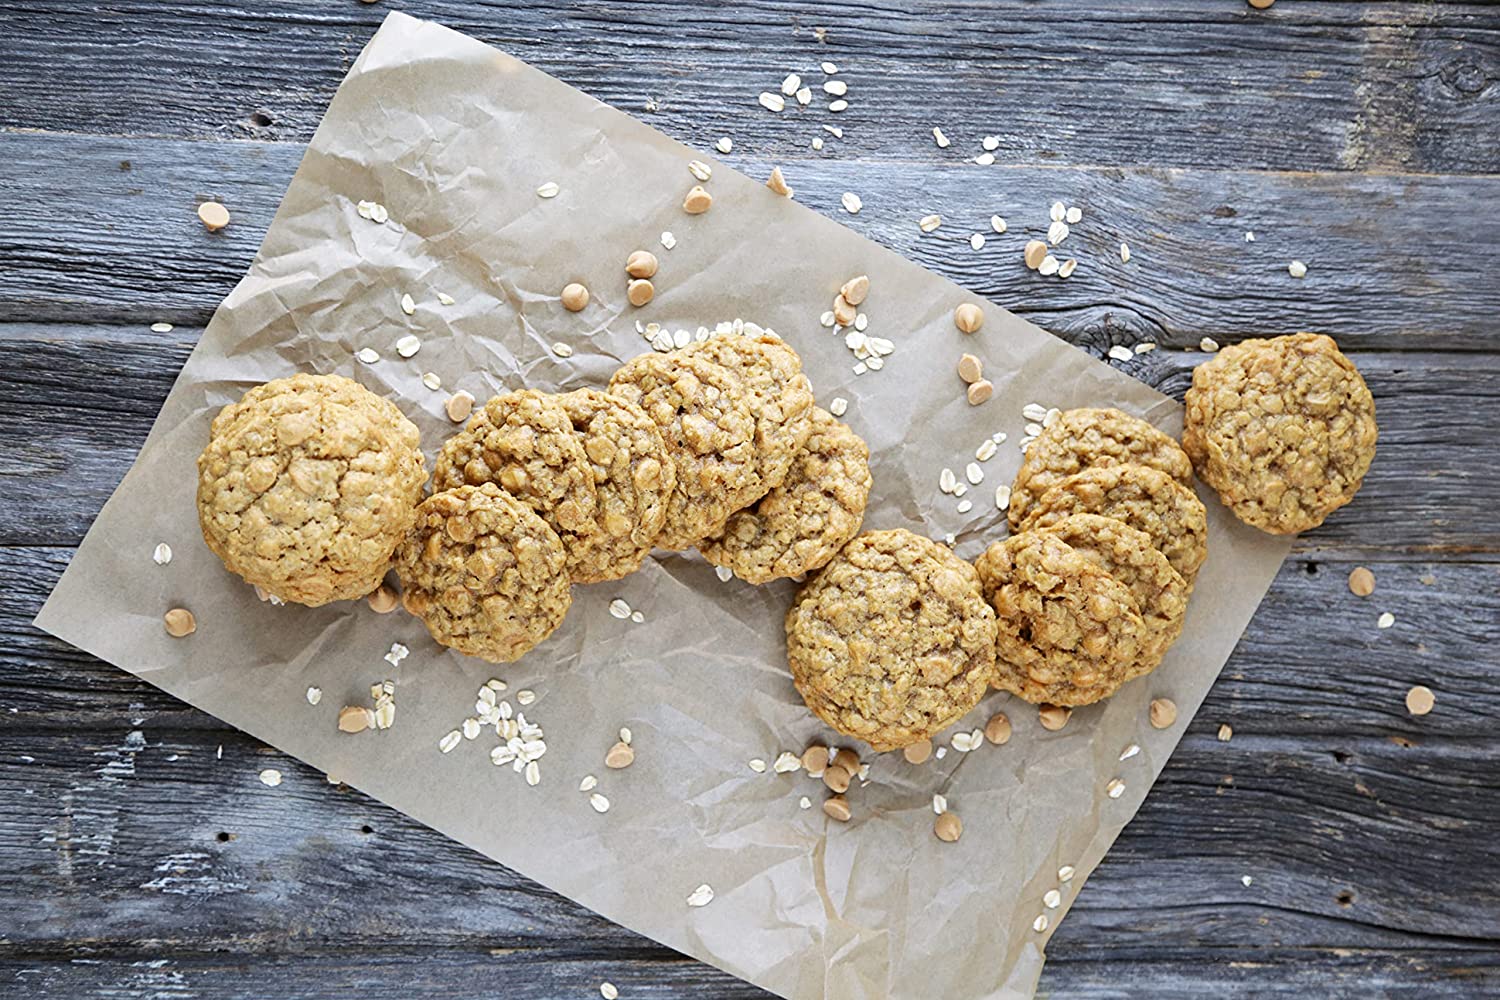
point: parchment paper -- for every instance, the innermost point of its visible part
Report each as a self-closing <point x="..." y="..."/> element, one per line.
<point x="454" y="137"/>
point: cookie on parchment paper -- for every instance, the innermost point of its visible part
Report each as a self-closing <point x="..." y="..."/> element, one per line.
<point x="1284" y="429"/>
<point x="892" y="641"/>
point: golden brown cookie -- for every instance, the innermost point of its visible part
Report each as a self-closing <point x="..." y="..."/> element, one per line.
<point x="633" y="477"/>
<point x="781" y="398"/>
<point x="484" y="572"/>
<point x="307" y="485"/>
<point x="704" y="416"/>
<point x="524" y="443"/>
<point x="1127" y="554"/>
<point x="892" y="641"/>
<point x="1144" y="498"/>
<point x="1088" y="438"/>
<point x="1068" y="632"/>
<point x="1284" y="429"/>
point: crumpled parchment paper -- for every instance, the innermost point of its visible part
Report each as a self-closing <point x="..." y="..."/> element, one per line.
<point x="454" y="138"/>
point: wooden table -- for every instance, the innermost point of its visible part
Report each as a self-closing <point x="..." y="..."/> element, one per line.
<point x="1335" y="847"/>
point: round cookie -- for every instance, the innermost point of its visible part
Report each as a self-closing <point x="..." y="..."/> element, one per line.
<point x="1088" y="438"/>
<point x="524" y="443"/>
<point x="1144" y="498"/>
<point x="307" y="485"/>
<point x="1127" y="554"/>
<point x="484" y="572"/>
<point x="705" y="419"/>
<point x="633" y="477"/>
<point x="1284" y="429"/>
<point x="801" y="524"/>
<point x="781" y="398"/>
<point x="893" y="640"/>
<point x="1068" y="632"/>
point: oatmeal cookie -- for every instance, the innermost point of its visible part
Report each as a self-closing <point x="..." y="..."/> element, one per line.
<point x="633" y="477"/>
<point x="1090" y="438"/>
<point x="801" y="524"/>
<point x="1144" y="498"/>
<point x="781" y="398"/>
<point x="704" y="416"/>
<point x="524" y="443"/>
<point x="1127" y="554"/>
<point x="893" y="640"/>
<point x="307" y="485"/>
<point x="1068" y="632"/>
<point x="484" y="572"/>
<point x="1284" y="429"/>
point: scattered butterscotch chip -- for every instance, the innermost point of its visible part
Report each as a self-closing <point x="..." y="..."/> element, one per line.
<point x="697" y="201"/>
<point x="918" y="752"/>
<point x="620" y="755"/>
<point x="1035" y="253"/>
<point x="837" y="778"/>
<point x="948" y="827"/>
<point x="980" y="392"/>
<point x="459" y="406"/>
<point x="641" y="264"/>
<point x="968" y="317"/>
<point x="1361" y="582"/>
<point x="776" y="182"/>
<point x="382" y="600"/>
<point x="640" y="291"/>
<point x="837" y="808"/>
<point x="213" y="216"/>
<point x="997" y="730"/>
<point x="1225" y="733"/>
<point x="1261" y="4"/>
<point x="970" y="368"/>
<point x="815" y="761"/>
<point x="844" y="313"/>
<point x="179" y="622"/>
<point x="574" y="296"/>
<point x="847" y="759"/>
<point x="1054" y="717"/>
<point x="855" y="290"/>
<point x="1163" y="713"/>
<point x="1420" y="700"/>
<point x="355" y="719"/>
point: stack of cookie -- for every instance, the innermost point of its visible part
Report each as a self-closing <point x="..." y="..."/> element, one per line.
<point x="1090" y="589"/>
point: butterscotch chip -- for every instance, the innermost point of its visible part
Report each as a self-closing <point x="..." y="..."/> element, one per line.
<point x="382" y="600"/>
<point x="844" y="313"/>
<point x="640" y="291"/>
<point x="574" y="297"/>
<point x="801" y="524"/>
<point x="1089" y="438"/>
<point x="1067" y="632"/>
<point x="704" y="415"/>
<point x="179" y="622"/>
<point x="1361" y="582"/>
<point x="847" y="759"/>
<point x="948" y="827"/>
<point x="1142" y="497"/>
<point x="997" y="730"/>
<point x="459" y="406"/>
<point x="892" y="641"/>
<point x="1420" y="700"/>
<point x="307" y="485"/>
<point x="524" y="443"/>
<point x="980" y="392"/>
<point x="620" y="755"/>
<point x="1284" y="429"/>
<point x="1128" y="555"/>
<point x="641" y="264"/>
<point x="918" y="752"/>
<point x="837" y="807"/>
<point x="968" y="318"/>
<point x="1054" y="717"/>
<point x="837" y="778"/>
<point x="815" y="761"/>
<point x="970" y="369"/>
<point x="355" y="719"/>
<point x="1163" y="713"/>
<point x="777" y="182"/>
<point x="697" y="201"/>
<point x="633" y="478"/>
<point x="213" y="216"/>
<point x="1035" y="253"/>
<point x="855" y="289"/>
<point x="484" y="572"/>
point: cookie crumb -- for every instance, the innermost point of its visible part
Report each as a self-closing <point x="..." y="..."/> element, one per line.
<point x="1420" y="700"/>
<point x="1361" y="582"/>
<point x="1163" y="713"/>
<point x="179" y="623"/>
<point x="355" y="719"/>
<point x="948" y="827"/>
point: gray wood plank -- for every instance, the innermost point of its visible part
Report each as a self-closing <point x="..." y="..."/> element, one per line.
<point x="1304" y="86"/>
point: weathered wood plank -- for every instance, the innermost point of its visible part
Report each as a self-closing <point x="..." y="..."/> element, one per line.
<point x="81" y="399"/>
<point x="84" y="240"/>
<point x="1390" y="86"/>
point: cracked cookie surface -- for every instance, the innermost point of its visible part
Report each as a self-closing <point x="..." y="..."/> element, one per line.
<point x="1284" y="430"/>
<point x="484" y="572"/>
<point x="892" y="641"/>
<point x="801" y="524"/>
<point x="1067" y="631"/>
<point x="307" y="485"/>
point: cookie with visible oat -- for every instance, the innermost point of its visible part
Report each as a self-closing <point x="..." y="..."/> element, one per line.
<point x="1144" y="498"/>
<point x="633" y="477"/>
<point x="1284" y="429"/>
<point x="892" y="641"/>
<point x="1068" y="633"/>
<point x="1089" y="438"/>
<point x="801" y="524"/>
<point x="705" y="419"/>
<point x="484" y="572"/>
<point x="307" y="485"/>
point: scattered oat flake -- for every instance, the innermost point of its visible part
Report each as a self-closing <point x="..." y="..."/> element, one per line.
<point x="1068" y="267"/>
<point x="1048" y="266"/>
<point x="397" y="653"/>
<point x="1040" y="923"/>
<point x="791" y="84"/>
<point x="771" y="102"/>
<point x="162" y="554"/>
<point x="367" y="355"/>
<point x="1115" y="788"/>
<point x="448" y="742"/>
<point x="725" y="145"/>
<point x="757" y="765"/>
<point x="942" y="751"/>
<point x="1246" y="881"/>
<point x="1052" y="899"/>
<point x="432" y="381"/>
<point x="1386" y="620"/>
<point x="1130" y="751"/>
<point x="1208" y="345"/>
<point x="1125" y="253"/>
<point x="851" y="202"/>
<point x="928" y="223"/>
<point x="986" y="450"/>
<point x="668" y="240"/>
<point x="608" y="991"/>
<point x="997" y="224"/>
<point x="525" y="697"/>
<point x="805" y="802"/>
<point x="990" y="143"/>
<point x="839" y="406"/>
<point x="939" y="138"/>
<point x="834" y="131"/>
<point x="1121" y="353"/>
<point x="724" y="573"/>
<point x="445" y="299"/>
<point x="1058" y="212"/>
<point x="1065" y="873"/>
<point x="837" y="106"/>
<point x="701" y="896"/>
<point x="408" y="305"/>
<point x="1057" y="232"/>
<point x="562" y="350"/>
<point x="1073" y="216"/>
<point x="1002" y="497"/>
<point x="829" y="68"/>
<point x="314" y="695"/>
<point x="161" y="327"/>
<point x="1297" y="269"/>
<point x="1249" y="237"/>
<point x="619" y="608"/>
<point x="964" y="506"/>
<point x="470" y="728"/>
<point x="702" y="171"/>
<point x="270" y="777"/>
<point x="977" y="241"/>
<point x="1226" y="733"/>
<point x="985" y="159"/>
<point x="548" y="190"/>
<point x="817" y="142"/>
<point x="1145" y="347"/>
<point x="533" y="773"/>
<point x="835" y="88"/>
<point x="599" y="802"/>
<point x="939" y="804"/>
<point x="588" y="784"/>
<point x="408" y="346"/>
<point x="787" y="762"/>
